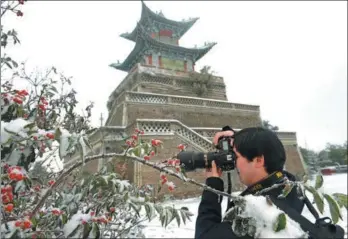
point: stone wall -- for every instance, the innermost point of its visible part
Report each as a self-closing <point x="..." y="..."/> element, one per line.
<point x="194" y="116"/>
<point x="293" y="161"/>
<point x="117" y="116"/>
<point x="152" y="176"/>
<point x="217" y="94"/>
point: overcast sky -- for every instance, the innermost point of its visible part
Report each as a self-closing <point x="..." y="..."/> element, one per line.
<point x="289" y="57"/>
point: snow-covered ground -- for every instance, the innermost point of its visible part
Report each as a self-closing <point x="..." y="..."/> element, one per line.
<point x="332" y="184"/>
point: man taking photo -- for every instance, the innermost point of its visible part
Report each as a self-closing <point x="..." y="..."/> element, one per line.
<point x="260" y="159"/>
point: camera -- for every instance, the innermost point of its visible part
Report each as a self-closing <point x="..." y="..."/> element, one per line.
<point x="224" y="156"/>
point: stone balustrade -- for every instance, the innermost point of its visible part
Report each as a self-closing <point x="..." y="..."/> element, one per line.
<point x="184" y="100"/>
<point x="284" y="136"/>
<point x="174" y="127"/>
<point x="181" y="79"/>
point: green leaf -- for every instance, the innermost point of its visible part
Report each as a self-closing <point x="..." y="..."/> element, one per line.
<point x="32" y="114"/>
<point x="149" y="211"/>
<point x="280" y="223"/>
<point x="64" y="218"/>
<point x="334" y="209"/>
<point x="341" y="199"/>
<point x="135" y="208"/>
<point x="183" y="216"/>
<point x="8" y="64"/>
<point x="159" y="186"/>
<point x="54" y="89"/>
<point x="317" y="198"/>
<point x="177" y="217"/>
<point x="57" y="134"/>
<point x="13" y="234"/>
<point x="86" y="229"/>
<point x="96" y="230"/>
<point x="15" y="64"/>
<point x="286" y="190"/>
<point x="183" y="171"/>
<point x="319" y="181"/>
<point x="137" y="151"/>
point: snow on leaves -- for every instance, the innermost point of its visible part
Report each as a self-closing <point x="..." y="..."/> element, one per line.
<point x="247" y="217"/>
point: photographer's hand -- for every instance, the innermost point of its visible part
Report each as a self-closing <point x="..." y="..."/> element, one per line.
<point x="213" y="171"/>
<point x="221" y="134"/>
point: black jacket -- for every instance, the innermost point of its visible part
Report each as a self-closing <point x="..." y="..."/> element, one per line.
<point x="209" y="221"/>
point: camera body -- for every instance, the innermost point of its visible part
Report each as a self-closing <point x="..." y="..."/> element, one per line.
<point x="224" y="156"/>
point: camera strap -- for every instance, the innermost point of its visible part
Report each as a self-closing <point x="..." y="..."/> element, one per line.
<point x="322" y="228"/>
<point x="229" y="189"/>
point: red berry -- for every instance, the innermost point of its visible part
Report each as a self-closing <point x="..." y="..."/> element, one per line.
<point x="42" y="107"/>
<point x="18" y="223"/>
<point x="153" y="142"/>
<point x="17" y="100"/>
<point x="12" y="176"/>
<point x="21" y="2"/>
<point x="147" y="157"/>
<point x="19" y="13"/>
<point x="23" y="93"/>
<point x="27" y="224"/>
<point x="9" y="207"/>
<point x="152" y="153"/>
<point x="134" y="136"/>
<point x="51" y="182"/>
<point x="112" y="209"/>
<point x="10" y="196"/>
<point x="50" y="135"/>
<point x="129" y="143"/>
<point x="19" y="177"/>
<point x="9" y="188"/>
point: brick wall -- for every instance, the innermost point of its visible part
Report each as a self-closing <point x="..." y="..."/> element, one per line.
<point x="152" y="176"/>
<point x="91" y="166"/>
<point x="174" y="90"/>
<point x="293" y="161"/>
<point x="193" y="116"/>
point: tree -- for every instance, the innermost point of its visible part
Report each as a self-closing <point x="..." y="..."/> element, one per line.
<point x="337" y="153"/>
<point x="312" y="160"/>
<point x="40" y="125"/>
<point x="266" y="124"/>
<point x="202" y="81"/>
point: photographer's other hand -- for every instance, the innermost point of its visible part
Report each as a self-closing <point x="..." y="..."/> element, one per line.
<point x="221" y="134"/>
<point x="213" y="171"/>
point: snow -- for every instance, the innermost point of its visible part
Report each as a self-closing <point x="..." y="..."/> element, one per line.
<point x="153" y="229"/>
<point x="15" y="126"/>
<point x="74" y="222"/>
<point x="64" y="143"/>
<point x="255" y="208"/>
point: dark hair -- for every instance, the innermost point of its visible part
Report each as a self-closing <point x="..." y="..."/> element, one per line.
<point x="257" y="141"/>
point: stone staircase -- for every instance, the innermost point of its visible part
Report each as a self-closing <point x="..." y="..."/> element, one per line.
<point x="174" y="132"/>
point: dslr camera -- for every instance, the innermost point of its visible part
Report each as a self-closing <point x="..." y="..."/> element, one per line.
<point x="224" y="156"/>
